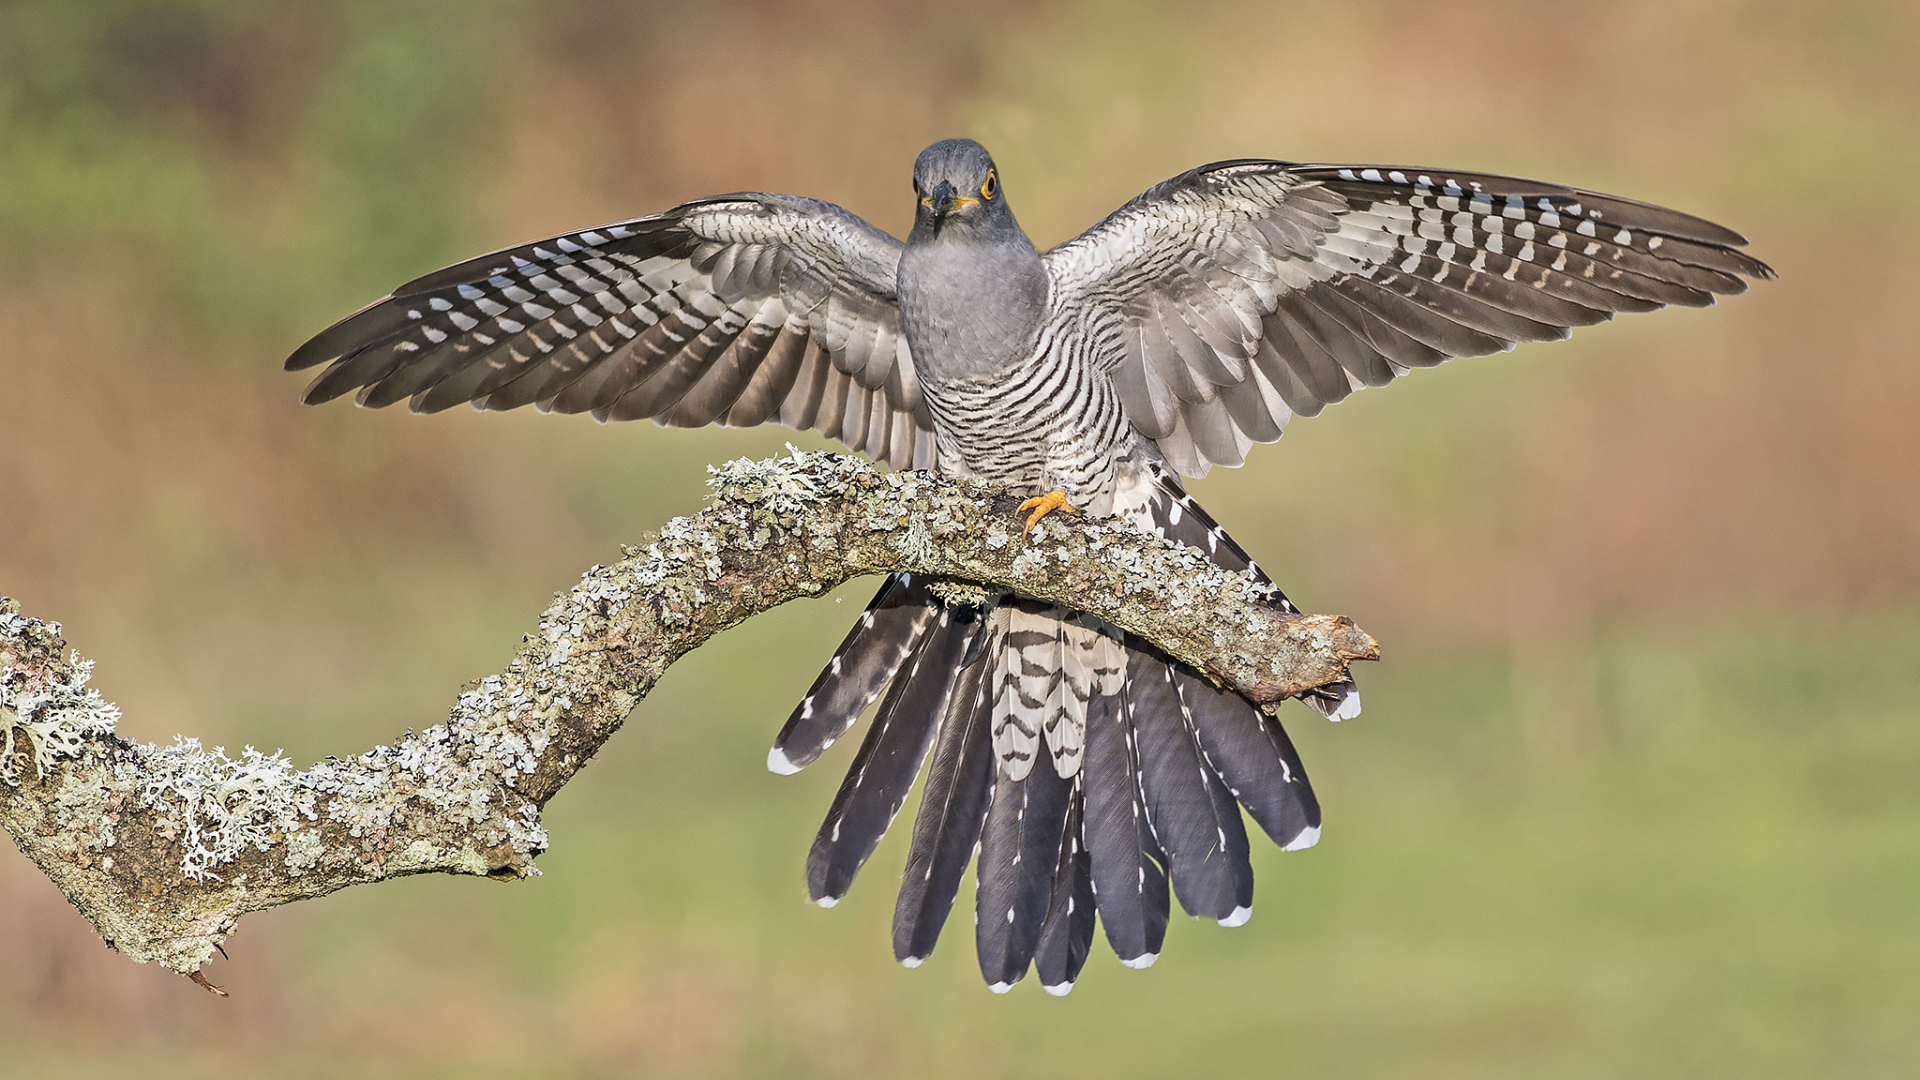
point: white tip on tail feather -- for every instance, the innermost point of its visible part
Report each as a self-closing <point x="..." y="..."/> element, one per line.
<point x="779" y="762"/>
<point x="827" y="901"/>
<point x="1059" y="989"/>
<point x="1308" y="837"/>
<point x="913" y="961"/>
<point x="1349" y="706"/>
<point x="1144" y="960"/>
<point x="1239" y="917"/>
<point x="1000" y="988"/>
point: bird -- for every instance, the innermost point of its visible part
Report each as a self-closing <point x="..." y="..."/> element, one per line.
<point x="1088" y="777"/>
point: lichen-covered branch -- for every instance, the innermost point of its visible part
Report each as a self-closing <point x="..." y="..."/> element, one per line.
<point x="163" y="848"/>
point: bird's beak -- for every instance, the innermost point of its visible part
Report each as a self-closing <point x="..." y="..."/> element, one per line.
<point x="944" y="199"/>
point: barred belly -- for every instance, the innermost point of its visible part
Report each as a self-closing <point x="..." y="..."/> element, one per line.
<point x="1049" y="422"/>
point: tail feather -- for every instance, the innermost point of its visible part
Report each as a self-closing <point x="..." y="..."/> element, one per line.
<point x="1176" y="516"/>
<point x="1251" y="752"/>
<point x="1067" y="935"/>
<point x="1026" y="673"/>
<point x="1078" y="654"/>
<point x="1019" y="851"/>
<point x="1059" y="728"/>
<point x="1129" y="884"/>
<point x="890" y="757"/>
<point x="952" y="810"/>
<point x="872" y="654"/>
<point x="1192" y="814"/>
<point x="1335" y="701"/>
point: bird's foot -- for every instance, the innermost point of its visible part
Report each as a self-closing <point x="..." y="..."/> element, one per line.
<point x="1042" y="505"/>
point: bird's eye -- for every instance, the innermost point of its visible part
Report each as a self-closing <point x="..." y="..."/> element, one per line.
<point x="989" y="186"/>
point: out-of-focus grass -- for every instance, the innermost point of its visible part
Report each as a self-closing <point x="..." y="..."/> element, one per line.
<point x="1633" y="793"/>
<point x="1712" y="873"/>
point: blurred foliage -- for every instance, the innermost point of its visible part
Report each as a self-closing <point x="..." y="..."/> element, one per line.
<point x="1633" y="793"/>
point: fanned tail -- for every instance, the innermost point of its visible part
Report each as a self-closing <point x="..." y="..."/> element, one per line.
<point x="1096" y="778"/>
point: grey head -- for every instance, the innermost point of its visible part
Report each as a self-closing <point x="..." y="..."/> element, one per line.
<point x="959" y="195"/>
<point x="972" y="289"/>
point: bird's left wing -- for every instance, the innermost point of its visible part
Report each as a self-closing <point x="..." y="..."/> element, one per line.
<point x="738" y="310"/>
<point x="1230" y="297"/>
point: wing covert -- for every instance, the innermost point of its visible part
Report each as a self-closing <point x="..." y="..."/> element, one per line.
<point x="737" y="310"/>
<point x="1232" y="297"/>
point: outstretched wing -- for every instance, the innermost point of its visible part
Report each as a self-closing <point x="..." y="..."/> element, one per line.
<point x="1229" y="298"/>
<point x="739" y="310"/>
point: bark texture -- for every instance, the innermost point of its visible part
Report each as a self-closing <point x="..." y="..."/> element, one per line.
<point x="163" y="848"/>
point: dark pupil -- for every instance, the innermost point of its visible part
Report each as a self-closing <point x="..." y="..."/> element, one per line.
<point x="990" y="185"/>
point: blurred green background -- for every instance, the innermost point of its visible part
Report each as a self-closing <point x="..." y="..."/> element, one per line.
<point x="1637" y="791"/>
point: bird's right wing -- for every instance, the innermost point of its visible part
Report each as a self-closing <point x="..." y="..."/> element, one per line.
<point x="1230" y="297"/>
<point x="738" y="310"/>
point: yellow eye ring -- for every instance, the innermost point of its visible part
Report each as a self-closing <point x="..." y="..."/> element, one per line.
<point x="989" y="186"/>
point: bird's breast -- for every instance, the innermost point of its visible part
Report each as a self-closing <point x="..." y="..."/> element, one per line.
<point x="970" y="311"/>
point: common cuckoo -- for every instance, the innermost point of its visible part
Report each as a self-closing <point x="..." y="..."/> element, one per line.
<point x="1091" y="773"/>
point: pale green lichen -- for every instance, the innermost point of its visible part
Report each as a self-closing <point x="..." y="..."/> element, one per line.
<point x="781" y="485"/>
<point x="223" y="806"/>
<point x="916" y="543"/>
<point x="304" y="848"/>
<point x="964" y="594"/>
<point x="217" y="807"/>
<point x="56" y="717"/>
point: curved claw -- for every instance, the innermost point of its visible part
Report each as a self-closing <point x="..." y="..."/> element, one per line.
<point x="1042" y="505"/>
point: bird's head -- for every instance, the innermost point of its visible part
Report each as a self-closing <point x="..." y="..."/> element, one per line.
<point x="958" y="190"/>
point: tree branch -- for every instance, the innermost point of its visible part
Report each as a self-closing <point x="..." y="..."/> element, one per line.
<point x="163" y="848"/>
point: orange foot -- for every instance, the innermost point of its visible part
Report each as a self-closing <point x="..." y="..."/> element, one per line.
<point x="1042" y="505"/>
